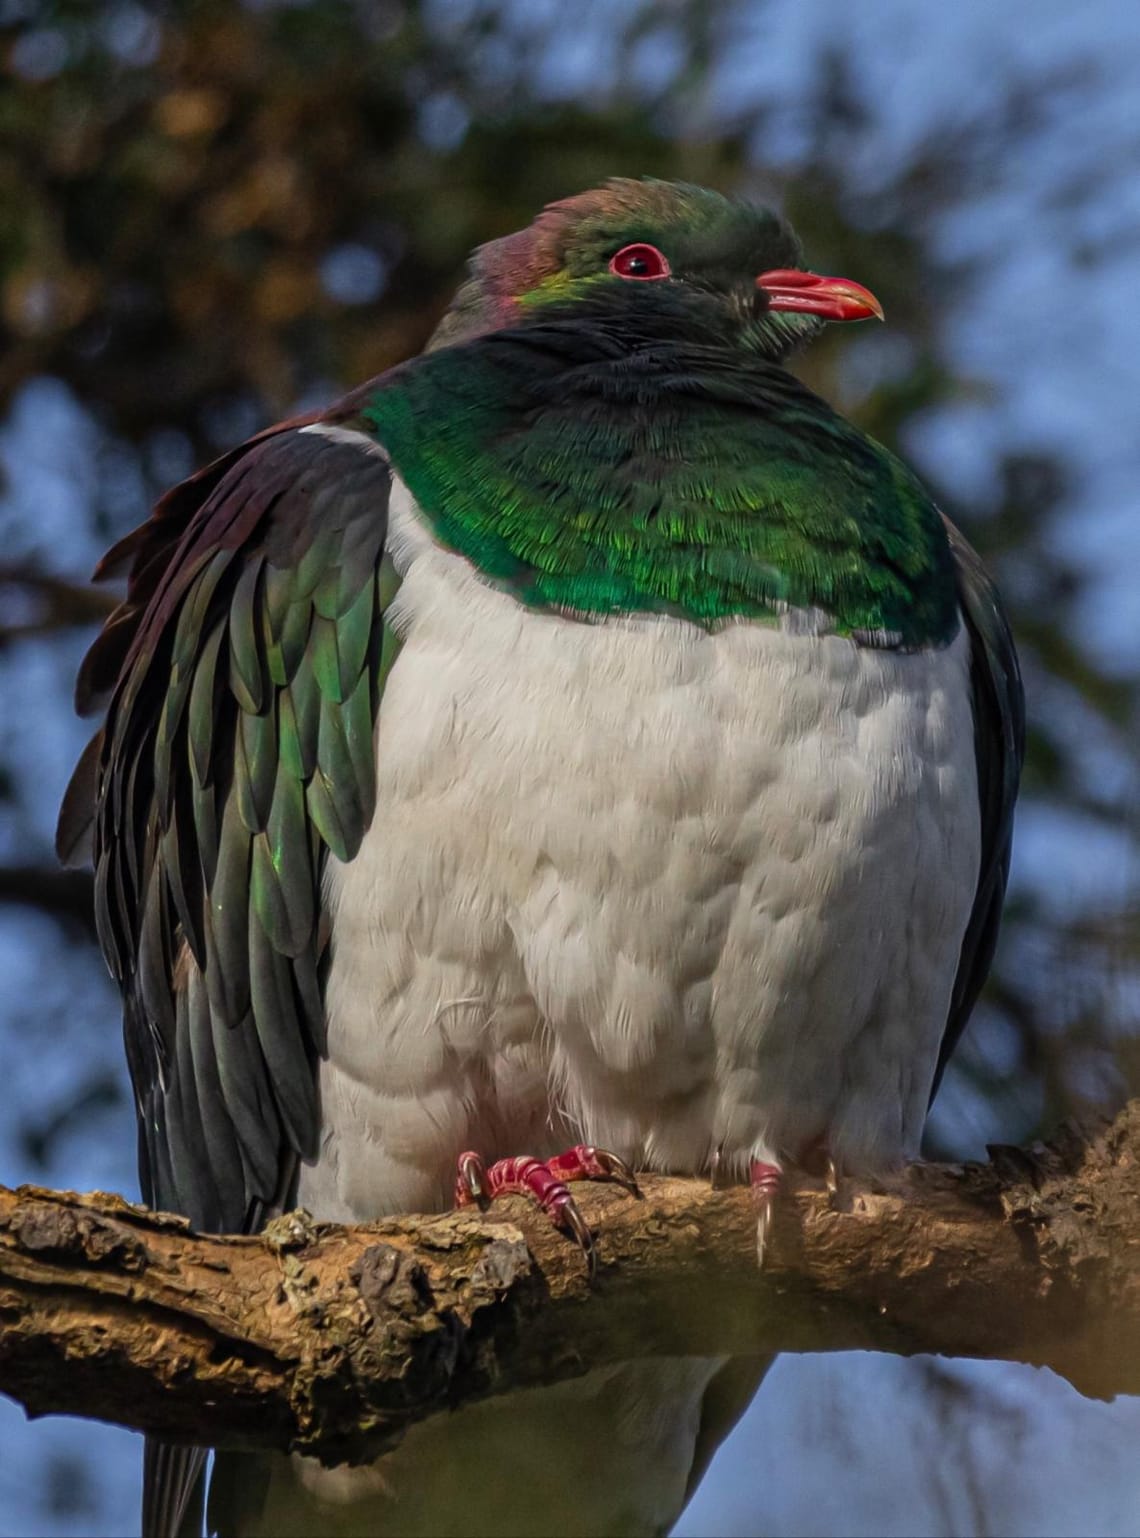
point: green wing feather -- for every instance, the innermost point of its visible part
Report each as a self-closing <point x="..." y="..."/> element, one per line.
<point x="244" y="672"/>
<point x="237" y="752"/>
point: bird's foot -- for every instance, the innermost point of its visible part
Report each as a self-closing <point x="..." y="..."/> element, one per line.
<point x="764" y="1178"/>
<point x="546" y="1182"/>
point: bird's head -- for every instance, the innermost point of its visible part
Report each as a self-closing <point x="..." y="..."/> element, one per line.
<point x="663" y="259"/>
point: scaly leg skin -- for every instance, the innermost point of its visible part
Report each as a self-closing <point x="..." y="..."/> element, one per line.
<point x="545" y="1181"/>
<point x="764" y="1179"/>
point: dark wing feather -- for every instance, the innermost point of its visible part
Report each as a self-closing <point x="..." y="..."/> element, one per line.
<point x="244" y="672"/>
<point x="999" y="744"/>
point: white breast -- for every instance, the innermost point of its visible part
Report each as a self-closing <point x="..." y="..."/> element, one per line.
<point x="667" y="890"/>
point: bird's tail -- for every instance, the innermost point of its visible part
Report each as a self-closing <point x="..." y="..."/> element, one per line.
<point x="174" y="1488"/>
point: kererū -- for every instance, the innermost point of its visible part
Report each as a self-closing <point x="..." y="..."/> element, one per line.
<point x="579" y="742"/>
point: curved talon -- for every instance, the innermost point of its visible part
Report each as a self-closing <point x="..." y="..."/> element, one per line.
<point x="763" y="1229"/>
<point x="569" y="1217"/>
<point x="616" y="1169"/>
<point x="831" y="1176"/>
<point x="470" y="1180"/>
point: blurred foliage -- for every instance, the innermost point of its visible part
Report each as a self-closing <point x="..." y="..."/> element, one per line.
<point x="207" y="200"/>
<point x="212" y="212"/>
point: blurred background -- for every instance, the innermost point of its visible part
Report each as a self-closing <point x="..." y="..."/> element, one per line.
<point x="213" y="214"/>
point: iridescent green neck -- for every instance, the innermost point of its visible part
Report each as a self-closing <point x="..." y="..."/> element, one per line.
<point x="674" y="478"/>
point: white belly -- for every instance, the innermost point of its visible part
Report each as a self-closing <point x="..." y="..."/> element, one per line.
<point x="664" y="890"/>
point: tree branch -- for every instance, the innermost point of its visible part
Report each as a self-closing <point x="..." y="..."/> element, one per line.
<point x="333" y="1340"/>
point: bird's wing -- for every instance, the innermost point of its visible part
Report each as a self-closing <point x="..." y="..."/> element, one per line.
<point x="999" y="746"/>
<point x="244" y="672"/>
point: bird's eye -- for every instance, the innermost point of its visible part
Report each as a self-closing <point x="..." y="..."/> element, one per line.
<point x="639" y="261"/>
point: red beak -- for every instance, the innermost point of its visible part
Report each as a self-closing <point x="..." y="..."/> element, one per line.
<point x="788" y="288"/>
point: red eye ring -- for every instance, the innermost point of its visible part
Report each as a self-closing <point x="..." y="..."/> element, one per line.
<point x="641" y="262"/>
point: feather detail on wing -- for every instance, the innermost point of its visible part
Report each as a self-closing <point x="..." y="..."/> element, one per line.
<point x="237" y="751"/>
<point x="243" y="670"/>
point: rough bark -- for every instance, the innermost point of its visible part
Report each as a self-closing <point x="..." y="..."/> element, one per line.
<point x="332" y="1340"/>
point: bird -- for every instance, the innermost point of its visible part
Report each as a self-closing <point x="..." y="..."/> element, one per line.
<point x="577" y="751"/>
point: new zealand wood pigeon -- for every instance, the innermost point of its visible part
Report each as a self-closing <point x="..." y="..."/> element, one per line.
<point x="578" y="743"/>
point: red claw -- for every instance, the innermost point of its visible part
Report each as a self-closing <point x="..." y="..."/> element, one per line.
<point x="545" y="1182"/>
